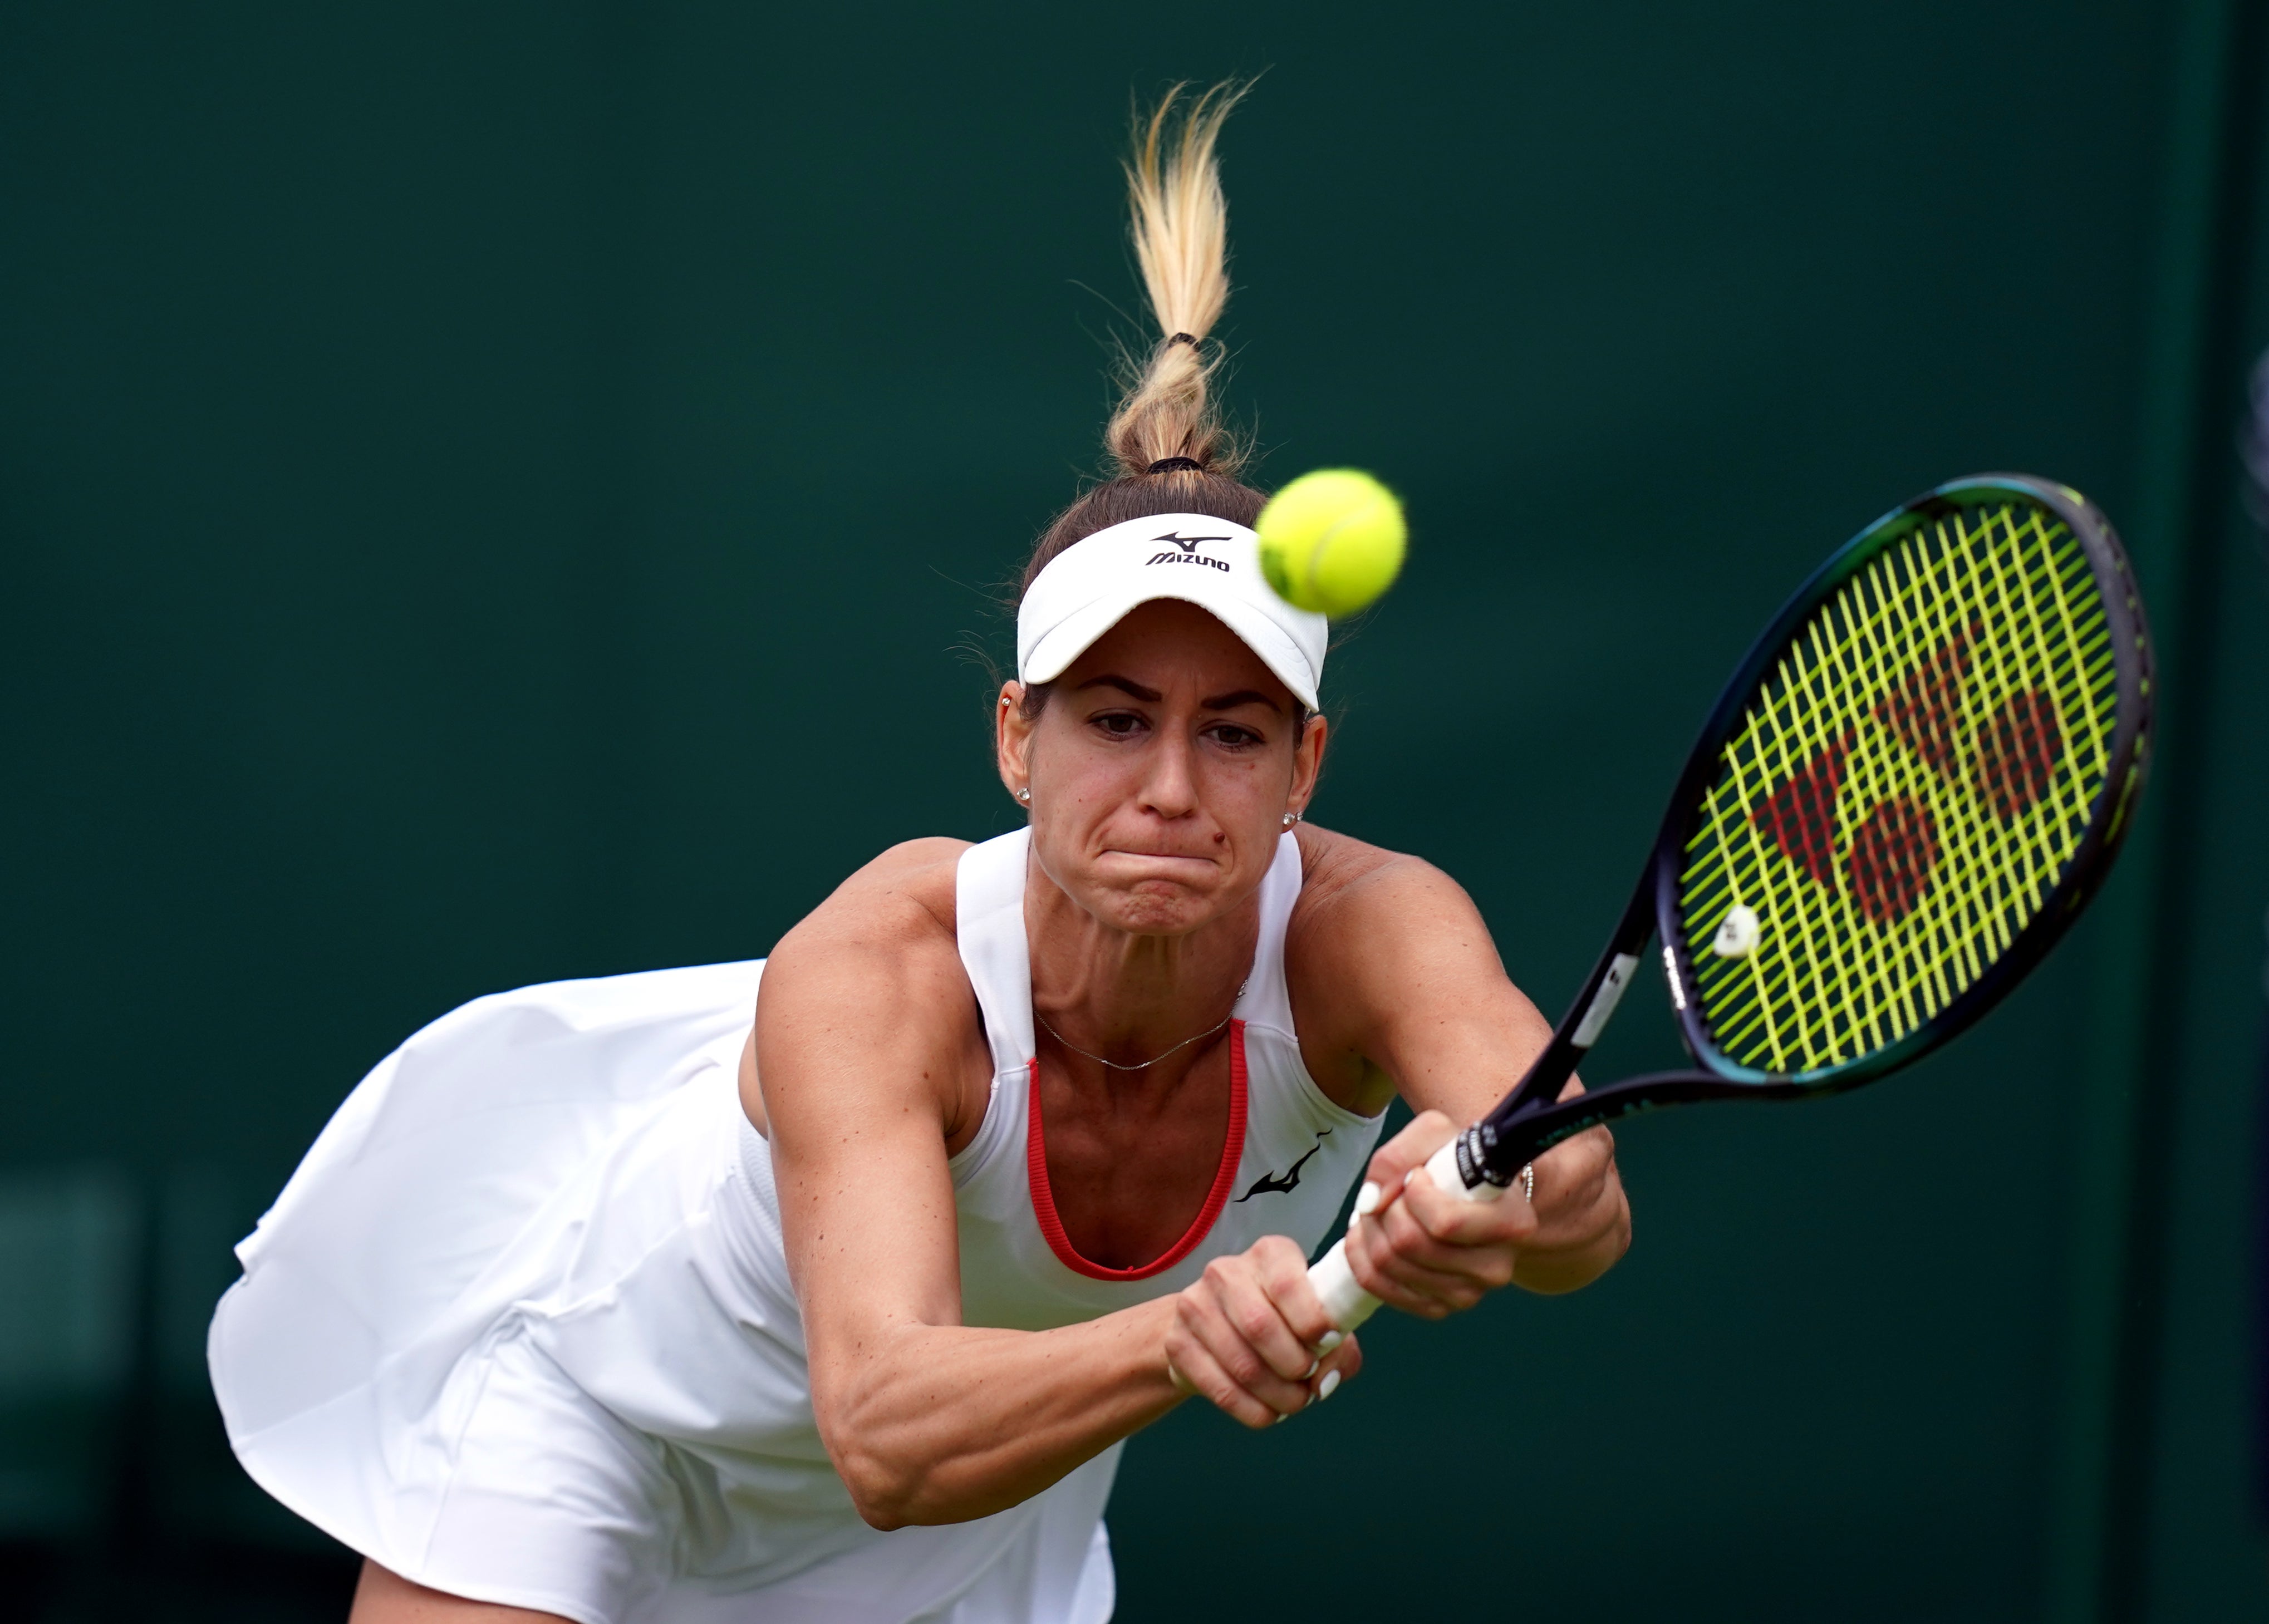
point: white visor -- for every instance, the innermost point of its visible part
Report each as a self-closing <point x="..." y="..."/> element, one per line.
<point x="1089" y="587"/>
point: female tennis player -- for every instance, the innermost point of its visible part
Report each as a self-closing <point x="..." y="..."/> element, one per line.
<point x="652" y="1298"/>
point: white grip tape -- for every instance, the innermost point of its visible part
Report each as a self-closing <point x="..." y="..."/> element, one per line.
<point x="1345" y="1302"/>
<point x="1442" y="1168"/>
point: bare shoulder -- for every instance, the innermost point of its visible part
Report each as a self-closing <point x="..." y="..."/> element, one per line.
<point x="866" y="994"/>
<point x="1346" y="884"/>
<point x="897" y="911"/>
<point x="1381" y="944"/>
<point x="906" y="893"/>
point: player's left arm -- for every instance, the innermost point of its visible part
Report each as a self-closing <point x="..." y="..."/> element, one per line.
<point x="1409" y="996"/>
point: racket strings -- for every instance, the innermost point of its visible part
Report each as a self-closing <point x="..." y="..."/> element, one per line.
<point x="1909" y="786"/>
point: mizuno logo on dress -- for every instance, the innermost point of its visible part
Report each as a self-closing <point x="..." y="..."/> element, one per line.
<point x="1189" y="553"/>
<point x="1268" y="1184"/>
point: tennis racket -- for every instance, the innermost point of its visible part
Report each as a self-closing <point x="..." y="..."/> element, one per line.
<point x="1913" y="785"/>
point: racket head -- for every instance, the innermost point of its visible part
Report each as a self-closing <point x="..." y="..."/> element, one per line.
<point x="1914" y="783"/>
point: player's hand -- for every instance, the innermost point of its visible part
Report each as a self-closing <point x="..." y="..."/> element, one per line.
<point x="1583" y="1218"/>
<point x="1251" y="1336"/>
<point x="1431" y="1252"/>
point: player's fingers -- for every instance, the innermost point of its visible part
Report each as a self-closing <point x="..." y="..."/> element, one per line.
<point x="1202" y="1314"/>
<point x="1175" y="1378"/>
<point x="1229" y="1376"/>
<point x="1451" y="1217"/>
<point x="1282" y="1270"/>
<point x="1247" y="1303"/>
<point x="1464" y="1272"/>
<point x="1425" y="1134"/>
<point x="1399" y="1282"/>
<point x="1404" y="1251"/>
<point x="1342" y="1364"/>
<point x="1198" y="1370"/>
<point x="1420" y="1138"/>
<point x="1440" y="1289"/>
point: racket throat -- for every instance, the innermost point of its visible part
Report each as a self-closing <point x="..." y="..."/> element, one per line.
<point x="1532" y="1118"/>
<point x="1593" y="1007"/>
<point x="1620" y="967"/>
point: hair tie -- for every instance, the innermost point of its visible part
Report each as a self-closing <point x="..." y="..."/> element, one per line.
<point x="1167" y="465"/>
<point x="1182" y="338"/>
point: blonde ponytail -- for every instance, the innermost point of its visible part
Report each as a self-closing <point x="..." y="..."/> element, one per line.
<point x="1181" y="242"/>
<point x="1166" y="415"/>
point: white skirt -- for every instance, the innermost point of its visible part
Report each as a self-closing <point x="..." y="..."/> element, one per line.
<point x="519" y="1329"/>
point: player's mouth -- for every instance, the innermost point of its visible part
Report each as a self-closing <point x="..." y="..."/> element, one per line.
<point x="1205" y="859"/>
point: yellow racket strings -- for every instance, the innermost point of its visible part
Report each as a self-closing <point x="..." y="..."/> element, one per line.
<point x="1906" y="790"/>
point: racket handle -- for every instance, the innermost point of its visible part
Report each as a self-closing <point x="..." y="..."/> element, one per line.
<point x="1346" y="1304"/>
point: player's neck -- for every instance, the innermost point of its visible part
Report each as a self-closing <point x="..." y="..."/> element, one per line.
<point x="1127" y="997"/>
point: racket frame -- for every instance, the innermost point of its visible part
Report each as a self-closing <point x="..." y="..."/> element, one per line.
<point x="1531" y="1119"/>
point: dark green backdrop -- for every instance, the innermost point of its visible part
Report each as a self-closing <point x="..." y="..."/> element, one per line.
<point x="498" y="492"/>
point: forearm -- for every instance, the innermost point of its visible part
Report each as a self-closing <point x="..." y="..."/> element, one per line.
<point x="945" y="1423"/>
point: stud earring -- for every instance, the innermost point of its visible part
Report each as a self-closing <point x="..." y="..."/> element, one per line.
<point x="1291" y="818"/>
<point x="1024" y="796"/>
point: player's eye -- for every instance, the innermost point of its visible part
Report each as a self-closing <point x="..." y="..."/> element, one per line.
<point x="1234" y="737"/>
<point x="1119" y="724"/>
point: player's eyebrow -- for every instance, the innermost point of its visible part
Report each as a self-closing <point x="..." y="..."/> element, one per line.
<point x="1149" y="695"/>
<point x="1243" y="695"/>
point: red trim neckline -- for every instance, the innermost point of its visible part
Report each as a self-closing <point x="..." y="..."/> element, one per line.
<point x="1044" y="1200"/>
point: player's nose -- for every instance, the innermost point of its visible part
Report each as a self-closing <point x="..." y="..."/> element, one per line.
<point x="1170" y="783"/>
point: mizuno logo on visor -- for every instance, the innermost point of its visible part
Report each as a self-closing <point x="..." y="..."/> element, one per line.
<point x="1189" y="553"/>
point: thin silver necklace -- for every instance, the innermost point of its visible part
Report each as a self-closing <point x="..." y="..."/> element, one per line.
<point x="1145" y="1065"/>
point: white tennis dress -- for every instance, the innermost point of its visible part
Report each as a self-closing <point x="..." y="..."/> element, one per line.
<point x="520" y="1327"/>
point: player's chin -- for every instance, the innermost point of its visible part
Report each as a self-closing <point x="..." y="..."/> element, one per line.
<point x="1151" y="898"/>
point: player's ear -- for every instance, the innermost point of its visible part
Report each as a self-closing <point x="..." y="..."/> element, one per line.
<point x="1308" y="762"/>
<point x="1012" y="740"/>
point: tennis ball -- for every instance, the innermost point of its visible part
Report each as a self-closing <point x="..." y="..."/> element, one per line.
<point x="1331" y="541"/>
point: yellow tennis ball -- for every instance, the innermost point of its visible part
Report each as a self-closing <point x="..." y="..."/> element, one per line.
<point x="1331" y="541"/>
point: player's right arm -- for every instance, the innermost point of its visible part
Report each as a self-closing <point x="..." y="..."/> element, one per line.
<point x="871" y="1063"/>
